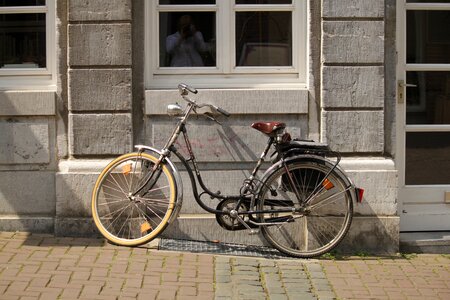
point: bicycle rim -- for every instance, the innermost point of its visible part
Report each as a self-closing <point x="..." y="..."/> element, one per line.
<point x="132" y="221"/>
<point x="327" y="216"/>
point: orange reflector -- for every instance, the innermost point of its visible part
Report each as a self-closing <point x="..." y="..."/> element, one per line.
<point x="126" y="169"/>
<point x="327" y="184"/>
<point x="145" y="227"/>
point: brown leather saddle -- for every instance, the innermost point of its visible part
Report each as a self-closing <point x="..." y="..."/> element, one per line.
<point x="269" y="128"/>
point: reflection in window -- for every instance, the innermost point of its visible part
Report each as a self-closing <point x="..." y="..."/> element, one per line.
<point x="429" y="101"/>
<point x="263" y="1"/>
<point x="187" y="39"/>
<point x="22" y="40"/>
<point x="4" y="3"/>
<point x="186" y="2"/>
<point x="427" y="1"/>
<point x="428" y="36"/>
<point x="427" y="158"/>
<point x="264" y="38"/>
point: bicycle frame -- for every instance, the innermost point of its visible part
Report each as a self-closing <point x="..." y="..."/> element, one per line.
<point x="303" y="192"/>
<point x="246" y="187"/>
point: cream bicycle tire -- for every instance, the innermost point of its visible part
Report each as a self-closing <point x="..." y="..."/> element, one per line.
<point x="128" y="222"/>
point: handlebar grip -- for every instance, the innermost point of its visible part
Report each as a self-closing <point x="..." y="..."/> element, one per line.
<point x="187" y="87"/>
<point x="223" y="112"/>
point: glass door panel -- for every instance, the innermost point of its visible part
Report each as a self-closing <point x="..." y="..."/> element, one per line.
<point x="427" y="158"/>
<point x="428" y="37"/>
<point x="429" y="101"/>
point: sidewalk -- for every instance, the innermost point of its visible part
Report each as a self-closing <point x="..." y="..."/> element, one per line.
<point x="45" y="267"/>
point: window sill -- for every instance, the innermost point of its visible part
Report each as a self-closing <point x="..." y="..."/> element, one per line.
<point x="236" y="101"/>
<point x="27" y="103"/>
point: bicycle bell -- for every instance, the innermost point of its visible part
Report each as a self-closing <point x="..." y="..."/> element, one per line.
<point x="174" y="110"/>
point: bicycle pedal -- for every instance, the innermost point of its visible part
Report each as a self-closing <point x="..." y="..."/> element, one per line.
<point x="253" y="231"/>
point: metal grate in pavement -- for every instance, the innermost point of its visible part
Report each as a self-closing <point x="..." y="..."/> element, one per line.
<point x="220" y="248"/>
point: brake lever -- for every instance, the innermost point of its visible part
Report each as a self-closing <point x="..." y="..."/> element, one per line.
<point x="209" y="116"/>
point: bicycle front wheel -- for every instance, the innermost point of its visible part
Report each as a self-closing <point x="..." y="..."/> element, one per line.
<point x="124" y="218"/>
<point x="323" y="207"/>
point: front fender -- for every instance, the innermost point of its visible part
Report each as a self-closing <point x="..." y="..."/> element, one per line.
<point x="176" y="175"/>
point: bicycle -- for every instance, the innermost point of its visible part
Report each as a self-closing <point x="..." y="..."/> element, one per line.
<point x="303" y="203"/>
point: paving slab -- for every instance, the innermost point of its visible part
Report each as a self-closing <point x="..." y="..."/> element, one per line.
<point x="34" y="266"/>
<point x="405" y="276"/>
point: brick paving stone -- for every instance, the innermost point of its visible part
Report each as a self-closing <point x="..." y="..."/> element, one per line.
<point x="44" y="267"/>
<point x="393" y="278"/>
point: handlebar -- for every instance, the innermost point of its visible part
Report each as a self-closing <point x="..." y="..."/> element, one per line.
<point x="184" y="89"/>
<point x="222" y="111"/>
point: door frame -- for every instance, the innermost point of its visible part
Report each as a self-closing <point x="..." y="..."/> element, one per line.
<point x="415" y="215"/>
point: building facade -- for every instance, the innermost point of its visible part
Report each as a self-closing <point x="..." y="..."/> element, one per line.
<point x="83" y="81"/>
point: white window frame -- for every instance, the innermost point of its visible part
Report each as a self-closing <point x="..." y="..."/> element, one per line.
<point x="225" y="73"/>
<point x="32" y="78"/>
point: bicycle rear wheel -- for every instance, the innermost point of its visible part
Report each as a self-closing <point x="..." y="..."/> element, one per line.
<point x="325" y="218"/>
<point x="129" y="220"/>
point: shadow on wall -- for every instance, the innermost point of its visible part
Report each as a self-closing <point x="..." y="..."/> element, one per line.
<point x="27" y="162"/>
<point x="374" y="228"/>
<point x="226" y="155"/>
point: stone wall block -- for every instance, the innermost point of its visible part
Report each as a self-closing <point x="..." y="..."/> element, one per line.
<point x="100" y="44"/>
<point x="100" y="134"/>
<point x="27" y="192"/>
<point x="73" y="194"/>
<point x="228" y="182"/>
<point x="106" y="10"/>
<point x="380" y="192"/>
<point x="235" y="101"/>
<point x="353" y="41"/>
<point x="353" y="8"/>
<point x="235" y="141"/>
<point x="24" y="142"/>
<point x="354" y="131"/>
<point x="27" y="103"/>
<point x="353" y="87"/>
<point x="103" y="89"/>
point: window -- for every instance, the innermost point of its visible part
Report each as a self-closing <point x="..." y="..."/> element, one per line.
<point x="225" y="43"/>
<point x="26" y="43"/>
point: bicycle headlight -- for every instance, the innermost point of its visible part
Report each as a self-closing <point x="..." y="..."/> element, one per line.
<point x="174" y="110"/>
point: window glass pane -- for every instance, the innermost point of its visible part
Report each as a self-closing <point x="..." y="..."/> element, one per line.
<point x="427" y="158"/>
<point x="263" y="39"/>
<point x="22" y="41"/>
<point x="428" y="36"/>
<point x="21" y="2"/>
<point x="187" y="39"/>
<point x="263" y="1"/>
<point x="186" y="2"/>
<point x="429" y="102"/>
<point x="427" y="1"/>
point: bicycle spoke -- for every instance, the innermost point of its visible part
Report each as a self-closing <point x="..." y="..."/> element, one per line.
<point x="117" y="218"/>
<point x="134" y="172"/>
<point x="147" y="217"/>
<point x="114" y="212"/>
<point x="112" y="202"/>
<point x="123" y="224"/>
<point x="326" y="200"/>
<point x="120" y="190"/>
<point x="164" y="201"/>
<point x="327" y="216"/>
<point x="113" y="196"/>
